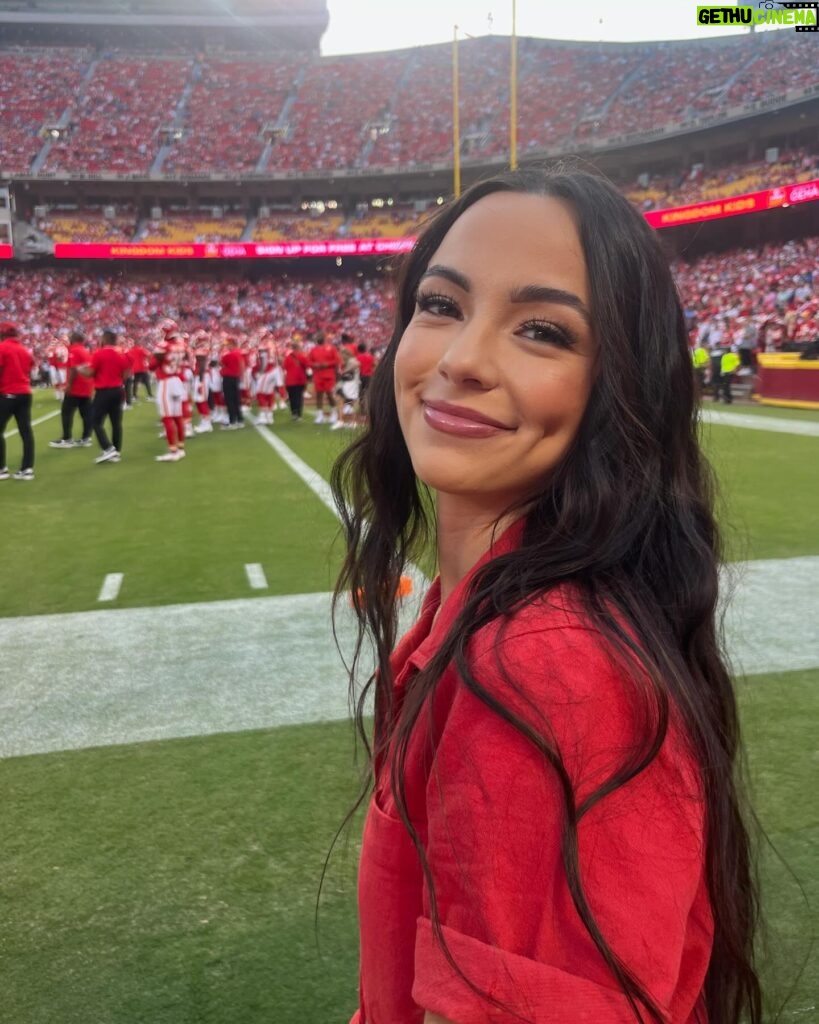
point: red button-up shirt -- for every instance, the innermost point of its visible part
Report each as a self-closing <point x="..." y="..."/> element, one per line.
<point x="489" y="812"/>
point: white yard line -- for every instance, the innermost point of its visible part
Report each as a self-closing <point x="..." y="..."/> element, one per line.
<point x="806" y="428"/>
<point x="319" y="486"/>
<point x="129" y="675"/>
<point x="255" y="576"/>
<point x="109" y="591"/>
<point x="34" y="423"/>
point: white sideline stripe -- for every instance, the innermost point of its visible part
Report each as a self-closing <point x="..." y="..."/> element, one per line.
<point x="34" y="423"/>
<point x="751" y="422"/>
<point x="319" y="486"/>
<point x="255" y="576"/>
<point x="109" y="590"/>
<point x="124" y="675"/>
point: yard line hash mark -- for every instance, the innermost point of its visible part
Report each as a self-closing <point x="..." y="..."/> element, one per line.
<point x="255" y="576"/>
<point x="34" y="423"/>
<point x="110" y="586"/>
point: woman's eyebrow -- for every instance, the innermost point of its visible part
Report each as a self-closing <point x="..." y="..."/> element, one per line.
<point x="544" y="293"/>
<point x="455" y="276"/>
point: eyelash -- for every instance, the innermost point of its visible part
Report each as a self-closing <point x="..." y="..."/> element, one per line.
<point x="426" y="303"/>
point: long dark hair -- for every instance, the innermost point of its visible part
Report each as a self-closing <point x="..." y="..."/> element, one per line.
<point x="627" y="517"/>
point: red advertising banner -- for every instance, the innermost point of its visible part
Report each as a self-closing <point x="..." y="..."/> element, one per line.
<point x="6" y="252"/>
<point x="732" y="206"/>
<point x="231" y="250"/>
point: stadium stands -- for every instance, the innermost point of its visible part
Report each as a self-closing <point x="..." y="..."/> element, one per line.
<point x="36" y="85"/>
<point x="89" y="225"/>
<point x="117" y="116"/>
<point x="230" y="104"/>
<point x="188" y="114"/>
<point x="193" y="227"/>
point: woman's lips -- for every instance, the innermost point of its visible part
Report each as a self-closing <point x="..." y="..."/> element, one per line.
<point x="462" y="422"/>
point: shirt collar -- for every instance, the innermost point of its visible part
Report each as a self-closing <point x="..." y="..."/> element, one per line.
<point x="429" y="632"/>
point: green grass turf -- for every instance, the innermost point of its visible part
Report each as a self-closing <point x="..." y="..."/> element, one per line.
<point x="769" y="491"/>
<point x="179" y="532"/>
<point x="175" y="882"/>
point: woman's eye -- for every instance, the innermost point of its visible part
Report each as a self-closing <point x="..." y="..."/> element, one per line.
<point x="438" y="305"/>
<point x="543" y="330"/>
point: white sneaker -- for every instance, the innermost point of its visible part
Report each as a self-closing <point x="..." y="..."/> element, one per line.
<point x="168" y="457"/>
<point x="107" y="455"/>
<point x="338" y="425"/>
<point x="61" y="444"/>
<point x="333" y="417"/>
<point x="24" y="474"/>
<point x="4" y="473"/>
<point x="205" y="427"/>
<point x="116" y="458"/>
<point x="319" y="418"/>
<point x="189" y="431"/>
<point x="180" y="453"/>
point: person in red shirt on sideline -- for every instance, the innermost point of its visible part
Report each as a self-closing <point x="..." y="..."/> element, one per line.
<point x="233" y="368"/>
<point x="108" y="367"/>
<point x="168" y="363"/>
<point x="78" y="392"/>
<point x="138" y="355"/>
<point x="366" y="365"/>
<point x="555" y="832"/>
<point x="325" y="361"/>
<point x="295" y="366"/>
<point x="16" y="363"/>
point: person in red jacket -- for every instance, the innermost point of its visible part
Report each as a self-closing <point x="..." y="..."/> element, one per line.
<point x="295" y="377"/>
<point x="109" y="367"/>
<point x="138" y="355"/>
<point x="78" y="392"/>
<point x="233" y="367"/>
<point x="325" y="361"/>
<point x="16" y="363"/>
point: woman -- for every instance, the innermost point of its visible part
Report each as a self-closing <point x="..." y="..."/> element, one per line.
<point x="555" y="834"/>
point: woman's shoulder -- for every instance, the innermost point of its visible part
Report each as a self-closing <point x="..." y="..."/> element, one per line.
<point x="555" y="670"/>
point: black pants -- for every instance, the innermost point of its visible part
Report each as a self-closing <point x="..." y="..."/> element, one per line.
<point x="230" y="388"/>
<point x="129" y="390"/>
<point x="108" y="402"/>
<point x="716" y="376"/>
<point x="295" y="395"/>
<point x="725" y="387"/>
<point x="70" y="404"/>
<point x="18" y="406"/>
<point x="142" y="378"/>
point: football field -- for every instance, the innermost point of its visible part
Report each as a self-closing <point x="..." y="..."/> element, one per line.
<point x="175" y="756"/>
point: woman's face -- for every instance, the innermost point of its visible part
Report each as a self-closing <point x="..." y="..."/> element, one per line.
<point x="494" y="370"/>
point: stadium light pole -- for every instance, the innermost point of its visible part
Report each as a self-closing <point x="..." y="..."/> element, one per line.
<point x="456" y="120"/>
<point x="513" y="94"/>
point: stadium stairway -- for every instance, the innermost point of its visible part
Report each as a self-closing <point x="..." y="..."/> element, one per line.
<point x="281" y="120"/>
<point x="178" y="119"/>
<point x="249" y="229"/>
<point x="65" y="118"/>
<point x="369" y="145"/>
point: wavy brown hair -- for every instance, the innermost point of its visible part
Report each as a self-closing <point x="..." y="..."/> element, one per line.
<point x="627" y="518"/>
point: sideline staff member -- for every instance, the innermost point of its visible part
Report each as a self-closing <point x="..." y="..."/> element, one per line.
<point x="16" y="363"/>
<point x="109" y="368"/>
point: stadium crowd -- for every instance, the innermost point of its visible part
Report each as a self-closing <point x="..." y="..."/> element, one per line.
<point x="196" y="114"/>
